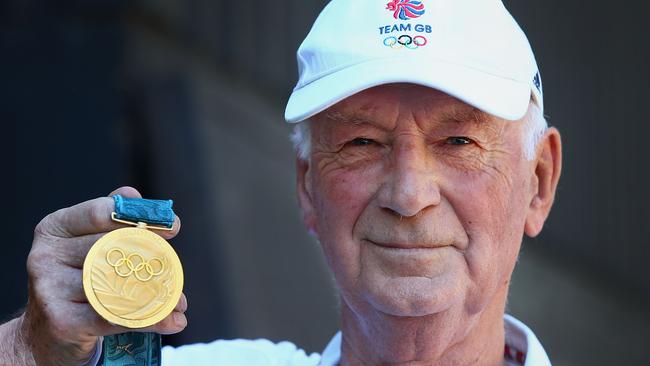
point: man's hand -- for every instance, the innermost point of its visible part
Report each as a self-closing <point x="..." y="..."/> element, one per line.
<point x="59" y="327"/>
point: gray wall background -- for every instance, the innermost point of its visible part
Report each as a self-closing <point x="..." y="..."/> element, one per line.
<point x="184" y="99"/>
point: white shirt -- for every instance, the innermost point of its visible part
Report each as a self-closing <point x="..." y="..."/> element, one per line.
<point x="522" y="349"/>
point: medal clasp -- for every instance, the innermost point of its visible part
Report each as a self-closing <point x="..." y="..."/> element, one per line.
<point x="140" y="224"/>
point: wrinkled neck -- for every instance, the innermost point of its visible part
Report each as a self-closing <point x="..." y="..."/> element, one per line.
<point x="447" y="338"/>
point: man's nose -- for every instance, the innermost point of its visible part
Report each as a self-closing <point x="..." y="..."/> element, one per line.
<point x="412" y="184"/>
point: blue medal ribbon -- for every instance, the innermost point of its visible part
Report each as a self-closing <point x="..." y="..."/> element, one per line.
<point x="137" y="348"/>
<point x="156" y="212"/>
<point x="132" y="349"/>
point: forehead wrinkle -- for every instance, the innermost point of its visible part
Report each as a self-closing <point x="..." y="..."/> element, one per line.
<point x="352" y="118"/>
<point x="464" y="113"/>
<point x="340" y="117"/>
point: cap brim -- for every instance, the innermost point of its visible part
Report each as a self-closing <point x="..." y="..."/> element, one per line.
<point x="501" y="97"/>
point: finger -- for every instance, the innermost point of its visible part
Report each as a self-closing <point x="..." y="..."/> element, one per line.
<point x="90" y="217"/>
<point x="126" y="191"/>
<point x="173" y="323"/>
<point x="82" y="318"/>
<point x="63" y="283"/>
<point x="72" y="251"/>
<point x="181" y="307"/>
<point x="169" y="234"/>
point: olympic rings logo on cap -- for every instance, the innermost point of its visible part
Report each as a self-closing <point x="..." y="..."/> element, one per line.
<point x="405" y="41"/>
<point x="135" y="269"/>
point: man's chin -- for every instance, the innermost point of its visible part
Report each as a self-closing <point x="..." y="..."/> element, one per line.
<point x="415" y="296"/>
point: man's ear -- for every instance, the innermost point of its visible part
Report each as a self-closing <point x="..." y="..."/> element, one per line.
<point x="548" y="165"/>
<point x="304" y="193"/>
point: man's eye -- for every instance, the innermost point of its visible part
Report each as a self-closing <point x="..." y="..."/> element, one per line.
<point x="458" y="140"/>
<point x="361" y="141"/>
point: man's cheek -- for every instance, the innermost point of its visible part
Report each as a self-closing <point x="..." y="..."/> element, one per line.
<point x="346" y="193"/>
<point x="341" y="199"/>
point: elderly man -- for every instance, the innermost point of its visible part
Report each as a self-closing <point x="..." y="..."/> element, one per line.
<point x="423" y="159"/>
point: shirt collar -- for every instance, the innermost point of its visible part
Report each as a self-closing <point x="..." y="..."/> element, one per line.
<point x="522" y="347"/>
<point x="332" y="353"/>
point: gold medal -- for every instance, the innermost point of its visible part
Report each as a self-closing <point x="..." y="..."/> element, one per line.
<point x="132" y="277"/>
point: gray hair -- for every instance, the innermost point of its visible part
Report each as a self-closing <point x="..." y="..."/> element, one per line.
<point x="534" y="129"/>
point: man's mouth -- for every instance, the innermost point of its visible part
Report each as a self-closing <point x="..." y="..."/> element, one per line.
<point x="406" y="245"/>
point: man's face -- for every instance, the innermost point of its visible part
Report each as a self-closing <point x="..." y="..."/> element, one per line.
<point x="419" y="200"/>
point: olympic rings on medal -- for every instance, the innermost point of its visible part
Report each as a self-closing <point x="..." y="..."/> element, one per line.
<point x="135" y="269"/>
<point x="405" y="40"/>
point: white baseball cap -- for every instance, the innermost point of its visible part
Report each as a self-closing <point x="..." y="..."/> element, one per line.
<point x="470" y="49"/>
